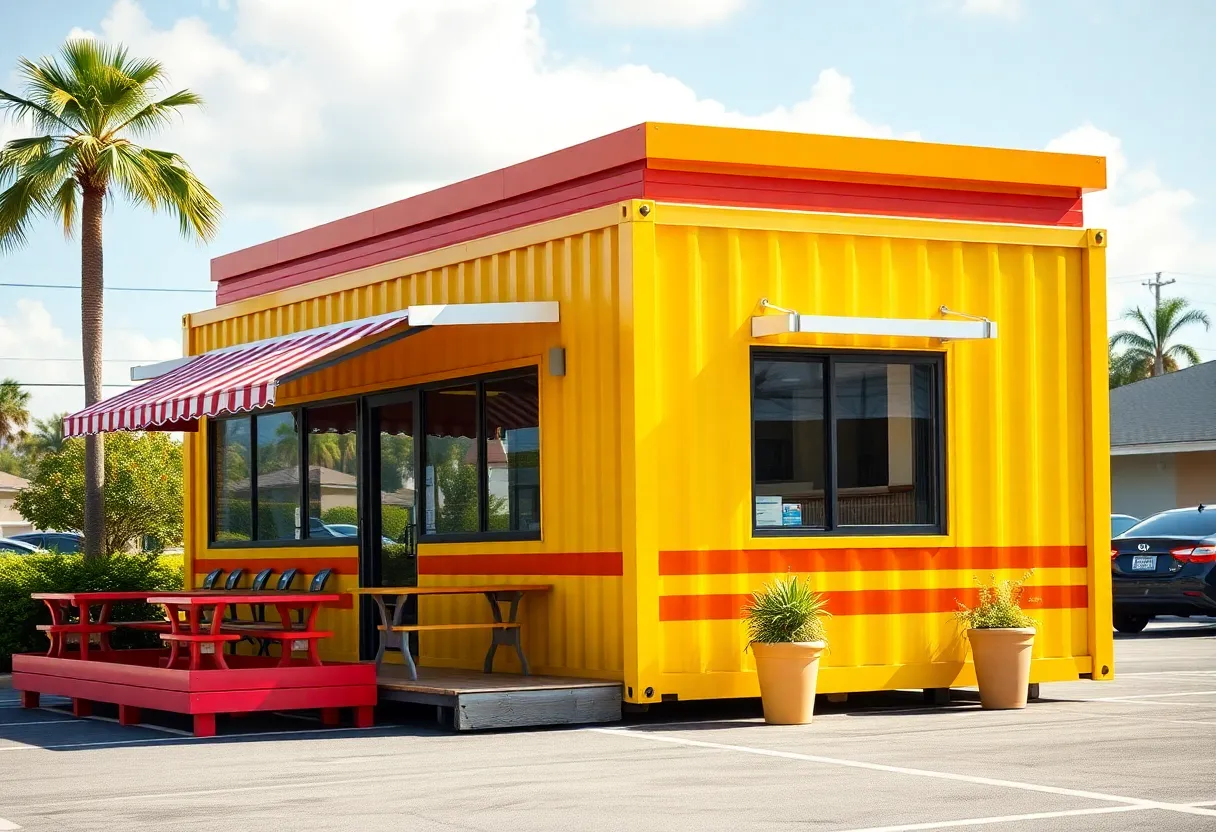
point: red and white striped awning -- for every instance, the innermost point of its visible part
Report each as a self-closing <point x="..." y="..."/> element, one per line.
<point x="245" y="377"/>
<point x="230" y="380"/>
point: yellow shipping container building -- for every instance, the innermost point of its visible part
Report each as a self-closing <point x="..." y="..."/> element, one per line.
<point x="656" y="371"/>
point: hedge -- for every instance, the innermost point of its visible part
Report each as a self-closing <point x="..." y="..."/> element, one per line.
<point x="21" y="575"/>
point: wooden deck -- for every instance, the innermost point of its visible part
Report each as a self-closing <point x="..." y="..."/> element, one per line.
<point x="470" y="700"/>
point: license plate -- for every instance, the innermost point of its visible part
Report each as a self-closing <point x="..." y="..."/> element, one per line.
<point x="299" y="644"/>
<point x="206" y="648"/>
<point x="1144" y="563"/>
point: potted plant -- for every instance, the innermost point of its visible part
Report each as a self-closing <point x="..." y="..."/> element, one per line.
<point x="786" y="635"/>
<point x="1002" y="638"/>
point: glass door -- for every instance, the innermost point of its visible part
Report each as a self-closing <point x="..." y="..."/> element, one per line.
<point x="388" y="550"/>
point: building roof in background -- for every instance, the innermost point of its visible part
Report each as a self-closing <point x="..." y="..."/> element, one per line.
<point x="12" y="482"/>
<point x="1177" y="407"/>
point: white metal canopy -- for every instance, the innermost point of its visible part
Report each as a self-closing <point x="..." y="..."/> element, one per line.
<point x="788" y="321"/>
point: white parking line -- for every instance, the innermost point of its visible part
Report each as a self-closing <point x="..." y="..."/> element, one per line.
<point x="915" y="772"/>
<point x="948" y="824"/>
<point x="1151" y="696"/>
<point x="37" y="722"/>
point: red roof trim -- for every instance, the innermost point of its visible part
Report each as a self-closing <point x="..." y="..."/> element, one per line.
<point x="619" y="183"/>
<point x="581" y="160"/>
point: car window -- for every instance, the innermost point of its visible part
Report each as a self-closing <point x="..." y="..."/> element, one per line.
<point x="1177" y="524"/>
<point x="1120" y="523"/>
<point x="10" y="549"/>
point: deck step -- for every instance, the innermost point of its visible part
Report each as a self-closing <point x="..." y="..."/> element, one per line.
<point x="473" y="701"/>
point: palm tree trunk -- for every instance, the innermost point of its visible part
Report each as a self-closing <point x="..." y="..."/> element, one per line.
<point x="91" y="285"/>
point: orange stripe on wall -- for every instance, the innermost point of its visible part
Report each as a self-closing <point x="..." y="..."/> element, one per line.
<point x="772" y="561"/>
<point x="871" y="602"/>
<point x="604" y="564"/>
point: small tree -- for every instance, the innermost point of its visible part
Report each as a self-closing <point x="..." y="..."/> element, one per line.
<point x="1151" y="342"/>
<point x="143" y="489"/>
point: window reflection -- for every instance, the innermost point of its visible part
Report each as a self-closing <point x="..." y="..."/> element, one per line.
<point x="452" y="459"/>
<point x="233" y="513"/>
<point x="513" y="454"/>
<point x="278" y="477"/>
<point x="332" y="472"/>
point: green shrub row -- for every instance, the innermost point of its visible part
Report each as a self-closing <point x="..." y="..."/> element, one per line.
<point x="21" y="575"/>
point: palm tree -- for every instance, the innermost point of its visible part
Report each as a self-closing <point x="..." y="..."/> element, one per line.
<point x="1124" y="370"/>
<point x="47" y="436"/>
<point x="1149" y="343"/>
<point x="83" y="106"/>
<point x="14" y="411"/>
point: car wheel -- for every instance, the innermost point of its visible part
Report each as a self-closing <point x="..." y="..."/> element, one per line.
<point x="1131" y="623"/>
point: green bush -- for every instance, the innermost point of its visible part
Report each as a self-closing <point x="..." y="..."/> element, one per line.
<point x="785" y="611"/>
<point x="341" y="516"/>
<point x="999" y="606"/>
<point x="21" y="575"/>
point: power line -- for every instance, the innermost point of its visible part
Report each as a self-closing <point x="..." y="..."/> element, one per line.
<point x="66" y="384"/>
<point x="104" y="360"/>
<point x="107" y="288"/>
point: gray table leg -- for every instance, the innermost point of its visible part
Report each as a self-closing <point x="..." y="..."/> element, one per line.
<point x="403" y="639"/>
<point x="382" y="640"/>
<point x="506" y="636"/>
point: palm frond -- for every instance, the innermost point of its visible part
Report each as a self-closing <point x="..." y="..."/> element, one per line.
<point x="181" y="193"/>
<point x="1137" y="316"/>
<point x="1193" y="316"/>
<point x="44" y="119"/>
<point x="20" y="152"/>
<point x="20" y="204"/>
<point x="1186" y="351"/>
<point x="66" y="205"/>
<point x="159" y="113"/>
<point x="1132" y="340"/>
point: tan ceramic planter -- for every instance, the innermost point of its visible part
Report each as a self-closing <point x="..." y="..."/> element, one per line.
<point x="788" y="674"/>
<point x="1002" y="666"/>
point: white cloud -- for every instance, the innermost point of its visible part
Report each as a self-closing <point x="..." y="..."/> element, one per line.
<point x="1149" y="224"/>
<point x="29" y="337"/>
<point x="316" y="109"/>
<point x="1010" y="9"/>
<point x="661" y="14"/>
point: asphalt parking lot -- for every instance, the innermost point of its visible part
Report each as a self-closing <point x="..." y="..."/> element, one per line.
<point x="1134" y="754"/>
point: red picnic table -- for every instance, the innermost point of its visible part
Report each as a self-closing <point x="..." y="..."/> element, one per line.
<point x="87" y="624"/>
<point x="138" y="678"/>
<point x="196" y="620"/>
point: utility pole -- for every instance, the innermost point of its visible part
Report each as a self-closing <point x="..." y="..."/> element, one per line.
<point x="1155" y="285"/>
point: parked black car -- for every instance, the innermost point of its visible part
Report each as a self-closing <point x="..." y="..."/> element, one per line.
<point x="1165" y="565"/>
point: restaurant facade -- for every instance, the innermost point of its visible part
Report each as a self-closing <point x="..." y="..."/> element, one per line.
<point x="655" y="371"/>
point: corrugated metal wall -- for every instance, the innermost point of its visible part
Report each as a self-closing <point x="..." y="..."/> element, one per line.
<point x="1015" y="445"/>
<point x="576" y="629"/>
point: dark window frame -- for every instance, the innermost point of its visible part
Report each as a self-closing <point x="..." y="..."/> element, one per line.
<point x="829" y="359"/>
<point x="362" y="403"/>
<point x="483" y="535"/>
<point x="302" y="446"/>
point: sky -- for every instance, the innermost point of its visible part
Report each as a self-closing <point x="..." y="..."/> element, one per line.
<point x="316" y="109"/>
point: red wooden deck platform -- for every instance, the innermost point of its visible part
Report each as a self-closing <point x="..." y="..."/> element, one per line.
<point x="138" y="679"/>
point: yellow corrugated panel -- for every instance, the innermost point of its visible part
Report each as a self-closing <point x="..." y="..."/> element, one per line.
<point x="1016" y="414"/>
<point x="575" y="629"/>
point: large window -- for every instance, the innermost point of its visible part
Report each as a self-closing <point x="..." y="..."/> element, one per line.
<point x="481" y="472"/>
<point x="293" y="475"/>
<point x="845" y="442"/>
<point x="257" y="494"/>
